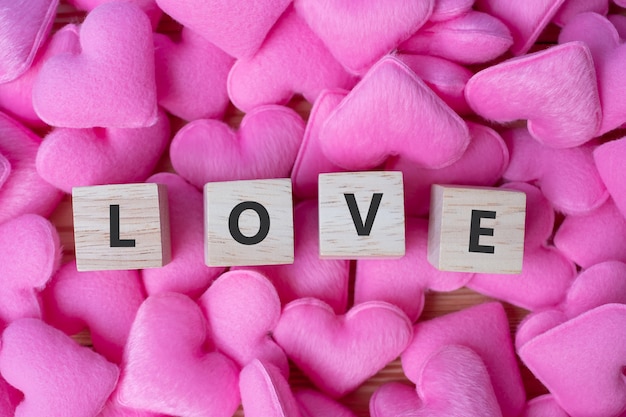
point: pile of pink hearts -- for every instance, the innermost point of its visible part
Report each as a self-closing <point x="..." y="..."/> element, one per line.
<point x="446" y="91"/>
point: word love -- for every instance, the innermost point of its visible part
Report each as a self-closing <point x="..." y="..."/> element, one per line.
<point x="361" y="215"/>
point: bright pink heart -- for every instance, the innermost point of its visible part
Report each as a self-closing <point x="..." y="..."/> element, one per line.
<point x="191" y="76"/>
<point x="279" y="70"/>
<point x="265" y="392"/>
<point x="111" y="83"/>
<point x="315" y="404"/>
<point x="360" y="135"/>
<point x="348" y="349"/>
<point x="309" y="275"/>
<point x="449" y="9"/>
<point x="376" y="26"/>
<point x="571" y="8"/>
<point x="31" y="253"/>
<point x="24" y="28"/>
<point x="555" y="90"/>
<point x="242" y="308"/>
<point x="80" y="157"/>
<point x="265" y="146"/>
<point x="166" y="349"/>
<point x="608" y="160"/>
<point x="238" y="29"/>
<point x="105" y="302"/>
<point x="53" y="371"/>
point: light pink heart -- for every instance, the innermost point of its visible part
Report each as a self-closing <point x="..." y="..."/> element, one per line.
<point x="265" y="146"/>
<point x="265" y="392"/>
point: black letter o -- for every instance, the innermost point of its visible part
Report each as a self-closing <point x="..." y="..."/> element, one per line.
<point x="233" y="223"/>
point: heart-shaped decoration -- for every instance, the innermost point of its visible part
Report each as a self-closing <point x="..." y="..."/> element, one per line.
<point x="148" y="6"/>
<point x="348" y="349"/>
<point x="111" y="83"/>
<point x="53" y="371"/>
<point x="161" y="354"/>
<point x="315" y="404"/>
<point x="555" y="90"/>
<point x="24" y="30"/>
<point x="359" y="135"/>
<point x="265" y="146"/>
<point x="265" y="392"/>
<point x="242" y="308"/>
<point x="608" y="159"/>
<point x="376" y="26"/>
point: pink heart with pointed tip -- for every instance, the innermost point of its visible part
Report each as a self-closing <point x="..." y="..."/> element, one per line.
<point x="315" y="404"/>
<point x="537" y="323"/>
<point x="191" y="76"/>
<point x="105" y="302"/>
<point x="571" y="8"/>
<point x="608" y="159"/>
<point x="377" y="27"/>
<point x="242" y="308"/>
<point x="166" y="349"/>
<point x="53" y="371"/>
<point x="265" y="392"/>
<point x="31" y="253"/>
<point x="111" y="83"/>
<point x="265" y="146"/>
<point x="348" y="349"/>
<point x="358" y="135"/>
<point x="449" y="9"/>
<point x="278" y="70"/>
<point x="70" y="158"/>
<point x="24" y="30"/>
<point x="555" y="90"/>
<point x="309" y="275"/>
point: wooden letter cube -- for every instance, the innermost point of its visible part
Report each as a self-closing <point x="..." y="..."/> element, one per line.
<point x="121" y="226"/>
<point x="474" y="229"/>
<point x="248" y="222"/>
<point x="361" y="215"/>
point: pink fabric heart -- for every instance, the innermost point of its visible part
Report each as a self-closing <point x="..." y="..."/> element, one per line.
<point x="148" y="6"/>
<point x="24" y="30"/>
<point x="265" y="392"/>
<point x="238" y="29"/>
<point x="53" y="371"/>
<point x="265" y="146"/>
<point x="242" y="308"/>
<point x="348" y="349"/>
<point x="568" y="178"/>
<point x="315" y="404"/>
<point x="608" y="160"/>
<point x="449" y="9"/>
<point x="309" y="275"/>
<point x="18" y="150"/>
<point x="105" y="302"/>
<point x="377" y="27"/>
<point x="280" y="69"/>
<point x="571" y="8"/>
<point x="162" y="353"/>
<point x="186" y="273"/>
<point x="485" y="330"/>
<point x="111" y="83"/>
<point x="555" y="89"/>
<point x="191" y="76"/>
<point x="581" y="362"/>
<point x="358" y="135"/>
<point x="70" y="158"/>
<point x="31" y="253"/>
<point x="471" y="38"/>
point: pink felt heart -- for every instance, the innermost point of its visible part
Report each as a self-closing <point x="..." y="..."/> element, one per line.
<point x="555" y="89"/>
<point x="186" y="273"/>
<point x="265" y="146"/>
<point x="471" y="38"/>
<point x="608" y="160"/>
<point x="568" y="178"/>
<point x="581" y="362"/>
<point x="24" y="28"/>
<point x="238" y="29"/>
<point x="358" y="135"/>
<point x="449" y="9"/>
<point x="609" y="57"/>
<point x="70" y="158"/>
<point x="111" y="83"/>
<point x="105" y="302"/>
<point x="265" y="392"/>
<point x="191" y="76"/>
<point x="148" y="6"/>
<point x="571" y="8"/>
<point x="309" y="275"/>
<point x="18" y="148"/>
<point x="30" y="251"/>
<point x="338" y="353"/>
<point x="543" y="406"/>
<point x="404" y="281"/>
<point x="315" y="404"/>
<point x="242" y="308"/>
<point x="292" y="60"/>
<point x="166" y="349"/>
<point x="376" y="26"/>
<point x="485" y="330"/>
<point x="525" y="20"/>
<point x="482" y="164"/>
<point x="53" y="371"/>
